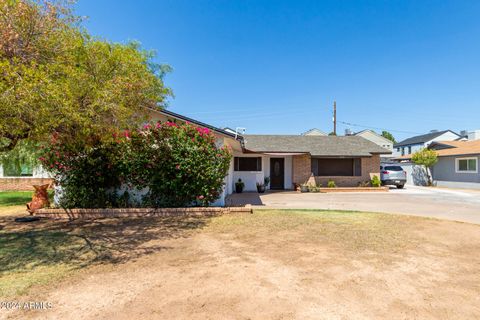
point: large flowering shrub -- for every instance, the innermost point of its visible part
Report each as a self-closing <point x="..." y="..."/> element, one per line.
<point x="178" y="165"/>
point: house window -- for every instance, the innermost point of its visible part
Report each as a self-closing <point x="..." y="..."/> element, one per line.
<point x="409" y="150"/>
<point x="248" y="164"/>
<point x="327" y="167"/>
<point x="403" y="151"/>
<point x="466" y="165"/>
<point x="398" y="149"/>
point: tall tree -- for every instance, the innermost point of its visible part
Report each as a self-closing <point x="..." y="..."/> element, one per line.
<point x="388" y="136"/>
<point x="56" y="78"/>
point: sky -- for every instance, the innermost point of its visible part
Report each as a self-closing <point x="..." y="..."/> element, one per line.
<point x="276" y="67"/>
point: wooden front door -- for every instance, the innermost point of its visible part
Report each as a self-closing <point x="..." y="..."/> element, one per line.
<point x="277" y="173"/>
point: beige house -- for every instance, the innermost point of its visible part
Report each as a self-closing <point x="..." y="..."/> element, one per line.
<point x="376" y="138"/>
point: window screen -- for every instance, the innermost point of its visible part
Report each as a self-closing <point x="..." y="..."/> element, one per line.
<point x="248" y="164"/>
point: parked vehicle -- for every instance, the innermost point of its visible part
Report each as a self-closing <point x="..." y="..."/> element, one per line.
<point x="393" y="175"/>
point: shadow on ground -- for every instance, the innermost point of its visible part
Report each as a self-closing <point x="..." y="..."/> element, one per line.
<point x="243" y="199"/>
<point x="82" y="243"/>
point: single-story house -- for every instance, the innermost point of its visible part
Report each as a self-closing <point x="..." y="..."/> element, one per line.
<point x="297" y="159"/>
<point x="457" y="164"/>
<point x="414" y="144"/>
<point x="290" y="160"/>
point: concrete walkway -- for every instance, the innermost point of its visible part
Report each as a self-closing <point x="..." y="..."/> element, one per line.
<point x="441" y="203"/>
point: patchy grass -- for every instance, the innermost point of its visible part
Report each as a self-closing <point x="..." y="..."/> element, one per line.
<point x="42" y="252"/>
<point x="350" y="230"/>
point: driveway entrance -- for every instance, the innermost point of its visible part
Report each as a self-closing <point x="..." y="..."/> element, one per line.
<point x="457" y="205"/>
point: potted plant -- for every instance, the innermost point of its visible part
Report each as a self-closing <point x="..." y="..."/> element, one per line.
<point x="260" y="187"/>
<point x="239" y="185"/>
<point x="304" y="187"/>
<point x="266" y="181"/>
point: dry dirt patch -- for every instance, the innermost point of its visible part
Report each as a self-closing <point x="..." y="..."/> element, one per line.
<point x="284" y="265"/>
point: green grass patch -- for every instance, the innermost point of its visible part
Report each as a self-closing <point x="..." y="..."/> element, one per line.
<point x="18" y="198"/>
<point x="15" y="198"/>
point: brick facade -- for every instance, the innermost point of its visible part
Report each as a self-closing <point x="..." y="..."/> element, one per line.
<point x="302" y="168"/>
<point x="302" y="172"/>
<point x="21" y="184"/>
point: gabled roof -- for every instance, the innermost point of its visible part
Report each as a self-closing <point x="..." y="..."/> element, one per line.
<point x="196" y="122"/>
<point x="422" y="138"/>
<point x="459" y="148"/>
<point x="360" y="133"/>
<point x="314" y="132"/>
<point x="322" y="146"/>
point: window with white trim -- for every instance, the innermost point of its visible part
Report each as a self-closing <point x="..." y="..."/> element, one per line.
<point x="466" y="165"/>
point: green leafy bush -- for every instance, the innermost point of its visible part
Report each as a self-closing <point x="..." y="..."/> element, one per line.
<point x="331" y="184"/>
<point x="178" y="165"/>
<point x="375" y="182"/>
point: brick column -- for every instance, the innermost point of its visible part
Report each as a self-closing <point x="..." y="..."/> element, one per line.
<point x="302" y="168"/>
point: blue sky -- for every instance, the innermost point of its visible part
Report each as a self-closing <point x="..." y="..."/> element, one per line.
<point x="277" y="66"/>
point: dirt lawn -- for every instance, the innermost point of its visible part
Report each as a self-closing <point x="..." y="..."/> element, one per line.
<point x="267" y="265"/>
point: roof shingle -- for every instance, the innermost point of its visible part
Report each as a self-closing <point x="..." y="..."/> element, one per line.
<point x="326" y="146"/>
<point x="421" y="138"/>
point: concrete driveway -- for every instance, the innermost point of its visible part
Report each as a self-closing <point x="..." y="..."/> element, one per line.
<point x="457" y="205"/>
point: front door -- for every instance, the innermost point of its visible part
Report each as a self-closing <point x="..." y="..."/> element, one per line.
<point x="277" y="173"/>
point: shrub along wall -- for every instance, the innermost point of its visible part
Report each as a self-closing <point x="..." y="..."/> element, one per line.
<point x="179" y="165"/>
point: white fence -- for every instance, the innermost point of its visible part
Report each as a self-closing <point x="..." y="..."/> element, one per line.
<point x="416" y="174"/>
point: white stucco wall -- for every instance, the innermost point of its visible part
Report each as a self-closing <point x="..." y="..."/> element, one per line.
<point x="250" y="178"/>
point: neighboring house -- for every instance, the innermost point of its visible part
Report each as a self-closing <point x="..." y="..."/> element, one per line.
<point x="376" y="138"/>
<point x="314" y="132"/>
<point x="457" y="164"/>
<point x="414" y="144"/>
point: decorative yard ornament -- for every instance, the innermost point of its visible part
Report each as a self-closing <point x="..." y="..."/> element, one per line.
<point x="39" y="199"/>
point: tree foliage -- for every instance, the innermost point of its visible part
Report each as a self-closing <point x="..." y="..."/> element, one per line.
<point x="179" y="165"/>
<point x="427" y="158"/>
<point x="56" y="78"/>
<point x="389" y="136"/>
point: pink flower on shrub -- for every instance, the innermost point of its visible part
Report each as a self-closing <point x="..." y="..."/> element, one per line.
<point x="158" y="124"/>
<point x="172" y="124"/>
<point x="147" y="126"/>
<point x="177" y="167"/>
<point x="200" y="197"/>
<point x="126" y="134"/>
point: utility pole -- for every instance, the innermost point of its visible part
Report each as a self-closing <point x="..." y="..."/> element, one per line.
<point x="335" y="117"/>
